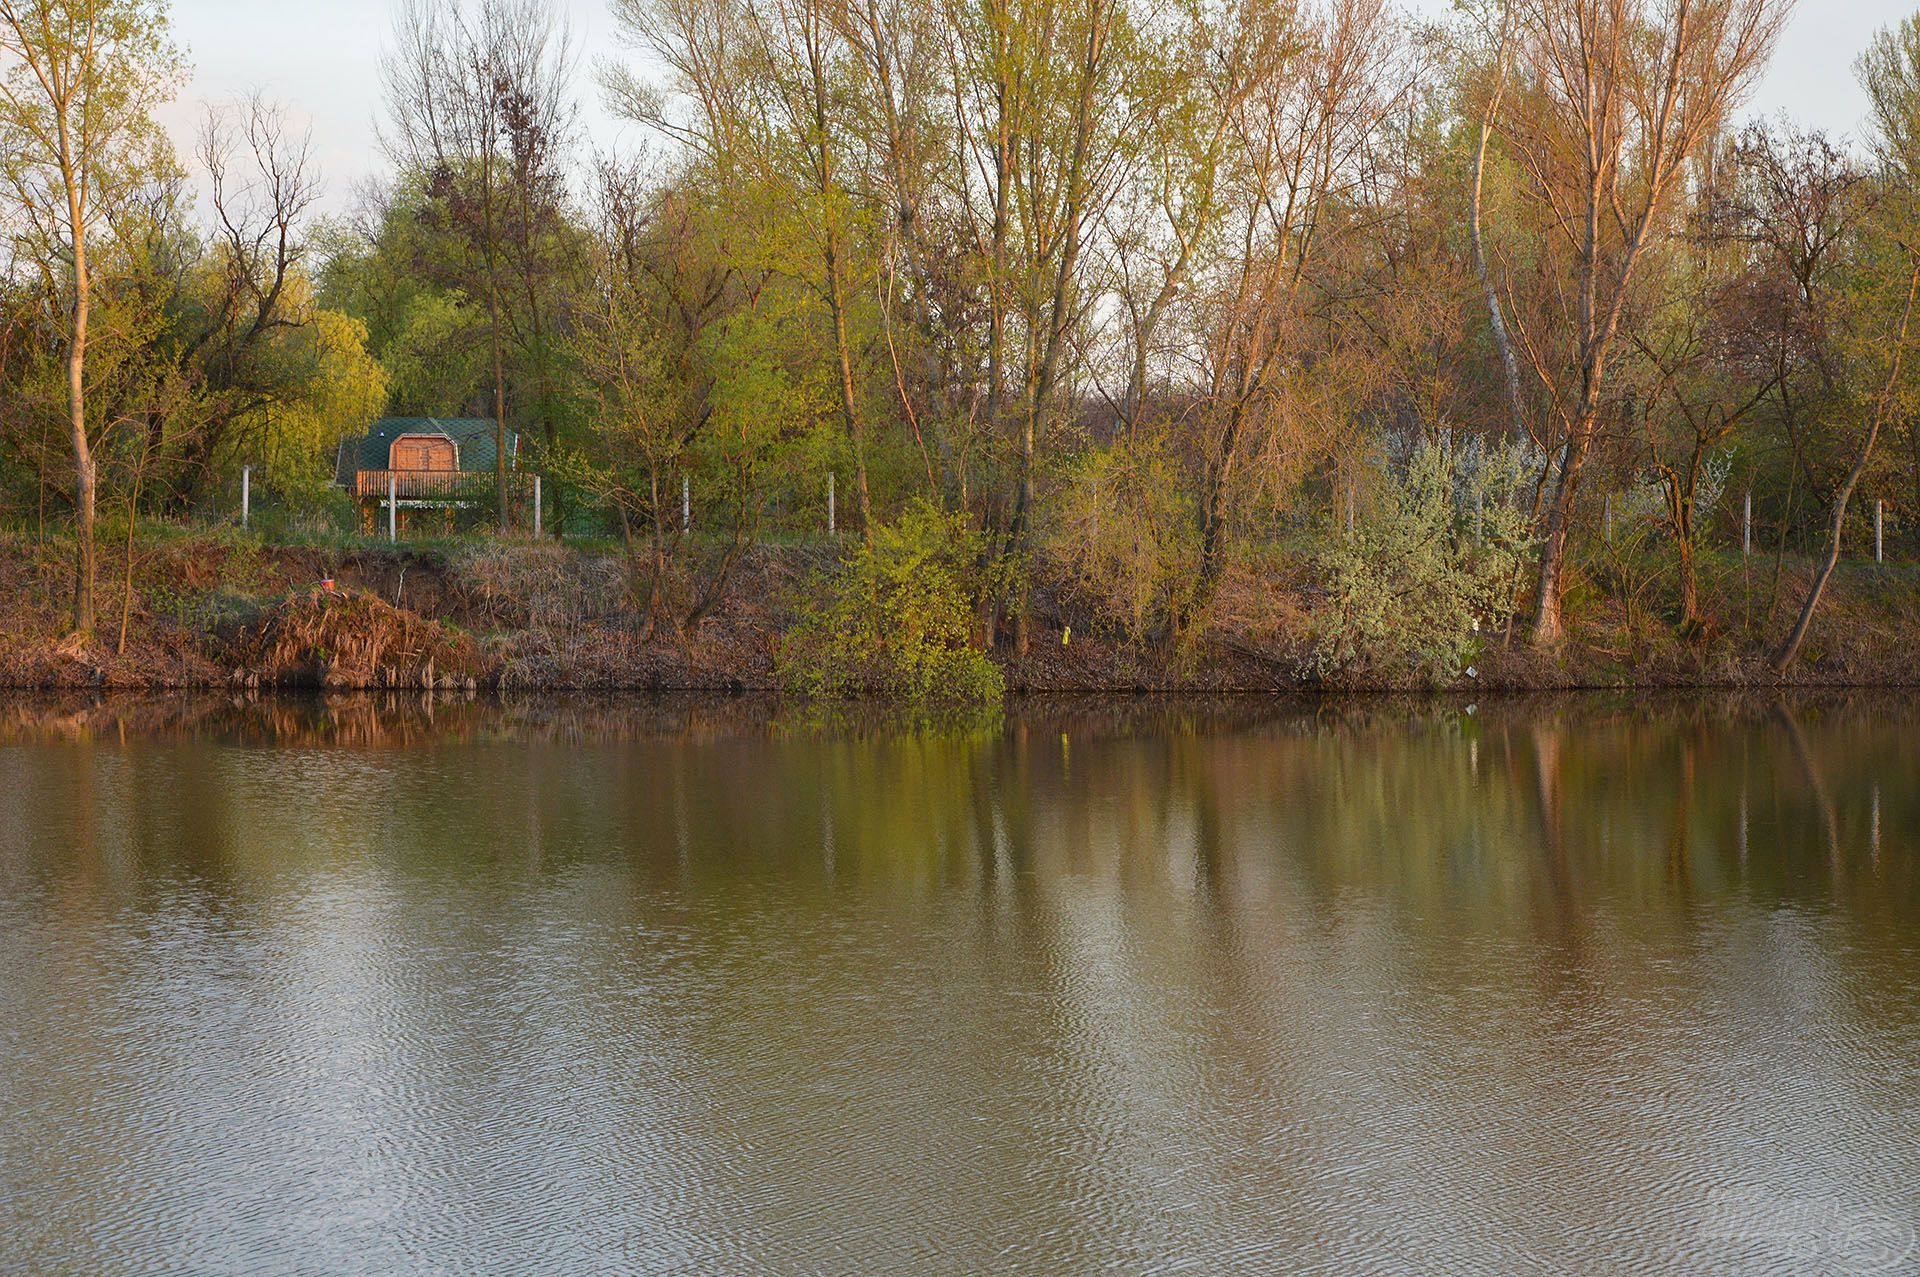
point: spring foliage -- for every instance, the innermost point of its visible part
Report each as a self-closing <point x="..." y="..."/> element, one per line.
<point x="1127" y="537"/>
<point x="897" y="619"/>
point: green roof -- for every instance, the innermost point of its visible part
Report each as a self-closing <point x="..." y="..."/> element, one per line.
<point x="474" y="436"/>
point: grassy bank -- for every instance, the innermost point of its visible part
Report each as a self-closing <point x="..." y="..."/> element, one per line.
<point x="213" y="609"/>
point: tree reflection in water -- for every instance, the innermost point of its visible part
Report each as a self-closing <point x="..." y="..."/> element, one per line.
<point x="559" y="984"/>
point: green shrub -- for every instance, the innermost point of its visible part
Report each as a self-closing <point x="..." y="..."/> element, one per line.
<point x="897" y="619"/>
<point x="1407" y="591"/>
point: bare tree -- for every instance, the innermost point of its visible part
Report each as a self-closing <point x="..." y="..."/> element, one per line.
<point x="1302" y="138"/>
<point x="262" y="187"/>
<point x="1707" y="356"/>
<point x="1889" y="69"/>
<point x="659" y="291"/>
<point x="1881" y="251"/>
<point x="1067" y="172"/>
<point x="1616" y="96"/>
<point x="802" y="56"/>
<point x="1797" y="206"/>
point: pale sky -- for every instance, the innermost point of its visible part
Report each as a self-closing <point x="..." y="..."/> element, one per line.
<point x="322" y="59"/>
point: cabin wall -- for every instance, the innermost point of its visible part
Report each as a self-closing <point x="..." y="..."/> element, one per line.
<point x="423" y="452"/>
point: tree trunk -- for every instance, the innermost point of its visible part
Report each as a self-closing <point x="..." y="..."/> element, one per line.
<point x="849" y="406"/>
<point x="133" y="519"/>
<point x="1004" y="158"/>
<point x="499" y="413"/>
<point x="1217" y="473"/>
<point x="1023" y="538"/>
<point x="1690" y="625"/>
<point x="836" y="287"/>
<point x="84" y="567"/>
<point x="1786" y="528"/>
<point x="1073" y="213"/>
<point x="1502" y="340"/>
<point x="657" y="595"/>
<point x="1789" y="651"/>
<point x="1681" y="490"/>
<point x="490" y="258"/>
<point x="1549" y="623"/>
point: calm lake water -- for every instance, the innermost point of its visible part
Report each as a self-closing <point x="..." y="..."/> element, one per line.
<point x="1578" y="986"/>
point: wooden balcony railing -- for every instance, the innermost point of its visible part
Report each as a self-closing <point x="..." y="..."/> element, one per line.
<point x="433" y="485"/>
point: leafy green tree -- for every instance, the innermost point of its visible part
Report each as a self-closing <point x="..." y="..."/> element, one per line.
<point x="478" y="105"/>
<point x="335" y="389"/>
<point x="642" y="343"/>
<point x="432" y="358"/>
<point x="79" y="80"/>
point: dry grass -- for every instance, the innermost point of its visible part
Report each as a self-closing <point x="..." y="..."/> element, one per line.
<point x="545" y="586"/>
<point x="351" y="639"/>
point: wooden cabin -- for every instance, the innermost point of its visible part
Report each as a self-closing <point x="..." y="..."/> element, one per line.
<point x="431" y="463"/>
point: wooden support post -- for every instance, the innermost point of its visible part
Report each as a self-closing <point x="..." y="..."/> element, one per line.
<point x="246" y="495"/>
<point x="393" y="506"/>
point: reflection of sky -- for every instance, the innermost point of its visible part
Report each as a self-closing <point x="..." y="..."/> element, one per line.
<point x="323" y="58"/>
<point x="1306" y="993"/>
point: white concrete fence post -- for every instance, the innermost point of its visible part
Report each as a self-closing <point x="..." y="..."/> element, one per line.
<point x="536" y="507"/>
<point x="1746" y="525"/>
<point x="686" y="504"/>
<point x="1879" y="531"/>
<point x="832" y="510"/>
<point x="393" y="506"/>
<point x="246" y="496"/>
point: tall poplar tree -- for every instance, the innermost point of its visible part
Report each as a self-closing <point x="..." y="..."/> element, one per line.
<point x="79" y="80"/>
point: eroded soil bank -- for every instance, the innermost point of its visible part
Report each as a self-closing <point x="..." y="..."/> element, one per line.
<point x="221" y="611"/>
